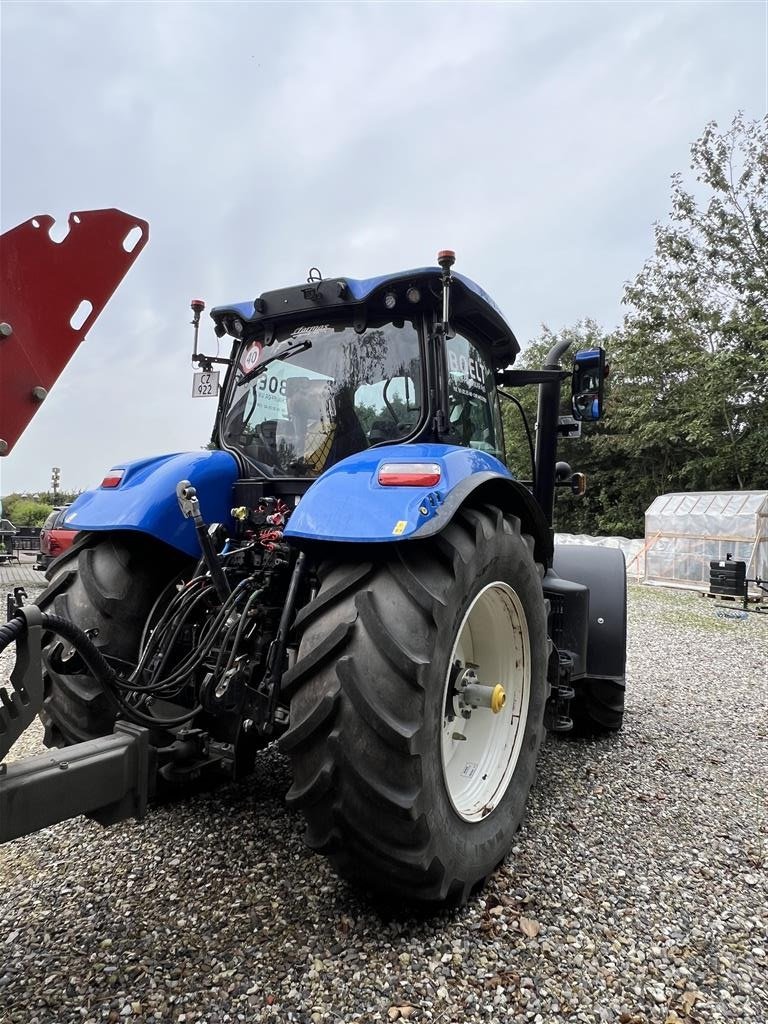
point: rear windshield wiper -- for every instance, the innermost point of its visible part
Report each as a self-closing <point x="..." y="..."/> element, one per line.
<point x="300" y="346"/>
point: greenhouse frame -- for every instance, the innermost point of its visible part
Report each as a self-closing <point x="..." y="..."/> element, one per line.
<point x="685" y="532"/>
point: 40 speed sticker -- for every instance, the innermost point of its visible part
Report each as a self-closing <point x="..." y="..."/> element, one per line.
<point x="250" y="356"/>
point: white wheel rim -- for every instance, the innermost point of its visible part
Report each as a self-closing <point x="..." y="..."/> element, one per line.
<point x="478" y="769"/>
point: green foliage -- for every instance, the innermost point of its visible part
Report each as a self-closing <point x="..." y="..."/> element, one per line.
<point x="20" y="508"/>
<point x="27" y="512"/>
<point x="611" y="501"/>
<point x="687" y="395"/>
<point x="692" y="358"/>
<point x="515" y="438"/>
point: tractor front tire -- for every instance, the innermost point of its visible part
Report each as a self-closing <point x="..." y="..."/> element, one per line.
<point x="412" y="794"/>
<point x="597" y="707"/>
<point x="106" y="585"/>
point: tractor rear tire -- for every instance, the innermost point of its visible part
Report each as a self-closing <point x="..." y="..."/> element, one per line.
<point x="106" y="584"/>
<point x="400" y="806"/>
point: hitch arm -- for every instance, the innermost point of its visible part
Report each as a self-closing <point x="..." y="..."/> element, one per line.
<point x="20" y="707"/>
<point x="107" y="778"/>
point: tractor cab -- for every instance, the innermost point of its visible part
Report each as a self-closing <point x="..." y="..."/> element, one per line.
<point x="326" y="370"/>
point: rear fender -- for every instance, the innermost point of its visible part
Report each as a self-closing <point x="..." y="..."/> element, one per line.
<point x="348" y="504"/>
<point x="603" y="572"/>
<point x="145" y="500"/>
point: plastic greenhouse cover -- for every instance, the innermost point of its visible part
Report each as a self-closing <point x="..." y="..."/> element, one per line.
<point x="684" y="532"/>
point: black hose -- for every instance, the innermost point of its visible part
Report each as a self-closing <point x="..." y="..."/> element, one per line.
<point x="528" y="434"/>
<point x="11" y="631"/>
<point x="95" y="661"/>
<point x="172" y="621"/>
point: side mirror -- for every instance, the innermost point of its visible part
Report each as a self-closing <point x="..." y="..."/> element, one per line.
<point x="587" y="385"/>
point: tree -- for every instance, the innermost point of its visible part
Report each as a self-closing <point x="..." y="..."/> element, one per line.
<point x="27" y="512"/>
<point x="687" y="396"/>
<point x="692" y="356"/>
<point x="11" y="503"/>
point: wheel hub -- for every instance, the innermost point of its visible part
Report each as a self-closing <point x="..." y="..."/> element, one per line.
<point x="472" y="694"/>
<point x="486" y="701"/>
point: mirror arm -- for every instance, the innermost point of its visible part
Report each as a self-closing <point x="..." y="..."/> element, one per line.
<point x="520" y="378"/>
<point x="205" y="362"/>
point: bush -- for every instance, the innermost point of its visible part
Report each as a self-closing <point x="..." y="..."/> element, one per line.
<point x="26" y="512"/>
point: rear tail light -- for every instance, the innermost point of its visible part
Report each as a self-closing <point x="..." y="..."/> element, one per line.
<point x="409" y="474"/>
<point x="113" y="478"/>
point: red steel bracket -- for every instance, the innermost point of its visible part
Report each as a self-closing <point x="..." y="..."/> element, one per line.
<point x="46" y="290"/>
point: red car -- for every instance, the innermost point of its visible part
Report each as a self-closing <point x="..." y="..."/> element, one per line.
<point x="55" y="538"/>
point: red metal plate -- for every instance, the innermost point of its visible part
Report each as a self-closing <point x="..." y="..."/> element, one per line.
<point x="42" y="286"/>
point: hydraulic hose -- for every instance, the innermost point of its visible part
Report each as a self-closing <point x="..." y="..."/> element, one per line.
<point x="94" y="659"/>
<point x="11" y="631"/>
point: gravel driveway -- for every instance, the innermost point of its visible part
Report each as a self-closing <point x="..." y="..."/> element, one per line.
<point x="636" y="892"/>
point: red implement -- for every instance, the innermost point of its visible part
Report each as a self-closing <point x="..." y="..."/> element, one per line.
<point x="50" y="296"/>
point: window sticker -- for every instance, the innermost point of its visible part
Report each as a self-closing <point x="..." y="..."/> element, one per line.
<point x="467" y="374"/>
<point x="270" y="389"/>
<point x="250" y="356"/>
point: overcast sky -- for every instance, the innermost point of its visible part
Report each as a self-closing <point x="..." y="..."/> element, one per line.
<point x="258" y="140"/>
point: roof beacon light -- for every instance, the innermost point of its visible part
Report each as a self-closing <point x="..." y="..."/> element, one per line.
<point x="113" y="478"/>
<point x="409" y="474"/>
<point x="390" y="300"/>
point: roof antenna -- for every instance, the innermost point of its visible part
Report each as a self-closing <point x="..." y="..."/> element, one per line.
<point x="314" y="280"/>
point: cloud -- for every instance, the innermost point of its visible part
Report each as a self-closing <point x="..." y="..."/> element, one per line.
<point x="258" y="140"/>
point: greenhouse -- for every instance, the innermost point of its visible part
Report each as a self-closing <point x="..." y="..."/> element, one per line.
<point x="684" y="532"/>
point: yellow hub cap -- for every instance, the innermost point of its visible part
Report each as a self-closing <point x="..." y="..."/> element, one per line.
<point x="498" y="698"/>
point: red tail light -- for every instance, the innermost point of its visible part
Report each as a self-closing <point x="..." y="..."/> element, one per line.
<point x="409" y="474"/>
<point x="113" y="478"/>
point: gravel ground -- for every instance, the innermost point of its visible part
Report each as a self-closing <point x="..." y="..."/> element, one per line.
<point x="636" y="891"/>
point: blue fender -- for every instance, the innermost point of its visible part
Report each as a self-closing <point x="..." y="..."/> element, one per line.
<point x="145" y="499"/>
<point x="347" y="503"/>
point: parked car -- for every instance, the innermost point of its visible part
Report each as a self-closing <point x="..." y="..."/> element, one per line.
<point x="7" y="534"/>
<point x="55" y="538"/>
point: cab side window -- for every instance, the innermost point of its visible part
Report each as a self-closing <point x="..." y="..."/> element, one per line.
<point x="474" y="412"/>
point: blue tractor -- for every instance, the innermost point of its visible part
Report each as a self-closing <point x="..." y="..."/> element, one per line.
<point x="352" y="570"/>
